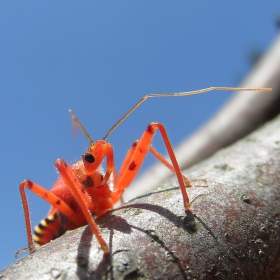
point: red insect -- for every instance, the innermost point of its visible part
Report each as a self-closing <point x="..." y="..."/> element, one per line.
<point x="82" y="192"/>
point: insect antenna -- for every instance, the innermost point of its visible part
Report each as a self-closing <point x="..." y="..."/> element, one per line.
<point x="77" y="122"/>
<point x="143" y="99"/>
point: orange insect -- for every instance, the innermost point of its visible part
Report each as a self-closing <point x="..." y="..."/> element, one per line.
<point x="82" y="192"/>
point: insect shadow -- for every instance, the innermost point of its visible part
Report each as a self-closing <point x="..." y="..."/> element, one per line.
<point x="116" y="223"/>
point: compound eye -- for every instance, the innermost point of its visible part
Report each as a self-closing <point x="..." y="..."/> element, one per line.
<point x="89" y="158"/>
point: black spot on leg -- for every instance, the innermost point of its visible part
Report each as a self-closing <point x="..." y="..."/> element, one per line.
<point x="134" y="144"/>
<point x="132" y="166"/>
<point x="150" y="129"/>
<point x="29" y="184"/>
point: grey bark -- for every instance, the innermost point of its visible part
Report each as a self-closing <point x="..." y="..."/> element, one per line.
<point x="233" y="232"/>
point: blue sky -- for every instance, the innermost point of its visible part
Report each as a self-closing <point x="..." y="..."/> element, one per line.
<point x="99" y="58"/>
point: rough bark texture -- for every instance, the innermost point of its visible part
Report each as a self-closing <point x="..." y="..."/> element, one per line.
<point x="232" y="234"/>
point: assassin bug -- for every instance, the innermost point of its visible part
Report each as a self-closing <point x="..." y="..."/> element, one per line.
<point x="83" y="192"/>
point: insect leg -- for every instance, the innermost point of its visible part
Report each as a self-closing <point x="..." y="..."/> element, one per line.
<point x="136" y="156"/>
<point x="81" y="197"/>
<point x="161" y="158"/>
<point x="46" y="195"/>
<point x="157" y="155"/>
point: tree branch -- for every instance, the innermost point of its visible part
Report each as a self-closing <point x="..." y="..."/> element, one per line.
<point x="232" y="234"/>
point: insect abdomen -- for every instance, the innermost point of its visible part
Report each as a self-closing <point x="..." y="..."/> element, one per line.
<point x="48" y="229"/>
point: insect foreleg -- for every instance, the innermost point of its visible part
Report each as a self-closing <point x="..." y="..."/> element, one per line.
<point x="136" y="156"/>
<point x="81" y="197"/>
<point x="47" y="196"/>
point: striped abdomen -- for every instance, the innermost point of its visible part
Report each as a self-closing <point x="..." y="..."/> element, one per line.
<point x="48" y="229"/>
